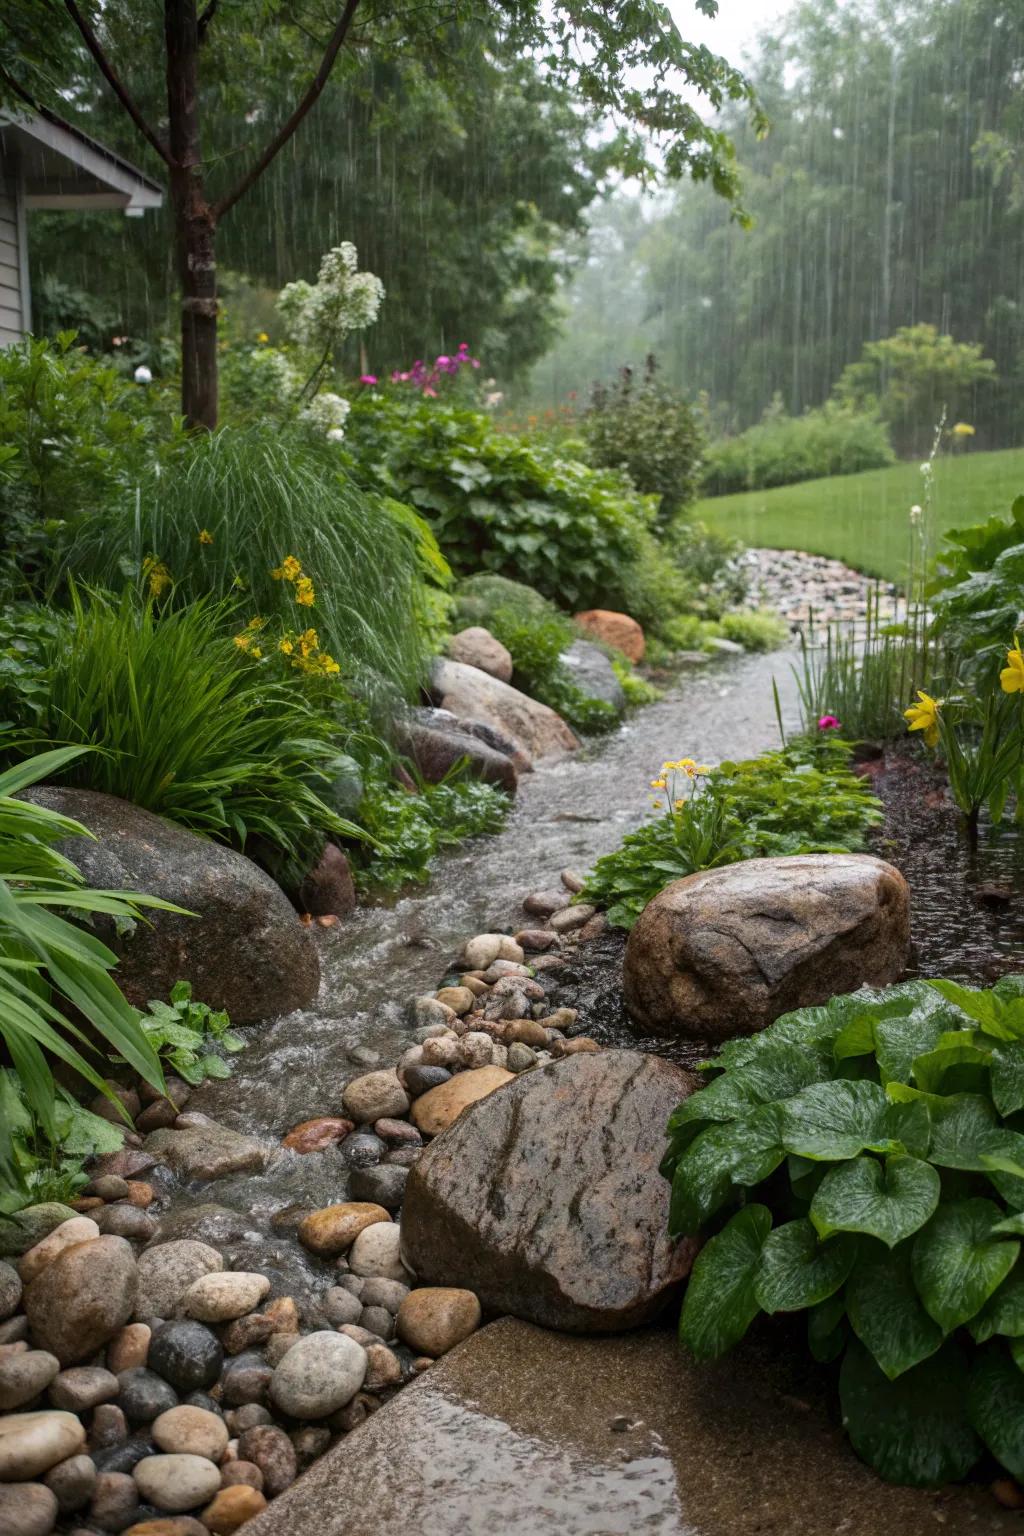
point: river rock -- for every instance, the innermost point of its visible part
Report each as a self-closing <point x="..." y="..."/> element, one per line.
<point x="477" y="647"/>
<point x="615" y="629"/>
<point x="545" y="1200"/>
<point x="31" y="1443"/>
<point x="168" y="1525"/>
<point x="115" y="1500"/>
<point x="24" y="1376"/>
<point x="31" y="1225"/>
<point x="125" y="1219"/>
<point x="374" y="1096"/>
<point x="186" y="1354"/>
<point x="329" y="889"/>
<point x="341" y="1306"/>
<point x="10" y="1290"/>
<point x="421" y="1079"/>
<point x="247" y="952"/>
<point x="83" y="1387"/>
<point x="29" y="1509"/>
<point x="433" y="1319"/>
<point x="593" y="673"/>
<point x="333" y="1230"/>
<point x="190" y="1431"/>
<point x="377" y="1252"/>
<point x="176" y="1482"/>
<point x="727" y="951"/>
<point x="572" y="918"/>
<point x="270" y="1449"/>
<point x="481" y="951"/>
<point x="473" y="695"/>
<point x="319" y="1375"/>
<point x="436" y="1110"/>
<point x="80" y="1229"/>
<point x="167" y="1271"/>
<point x="129" y="1347"/>
<point x="436" y="742"/>
<point x="383" y="1185"/>
<point x="217" y="1298"/>
<point x="144" y="1395"/>
<point x="317" y="1135"/>
<point x="232" y="1507"/>
<point x="82" y="1298"/>
<point x="72" y="1481"/>
<point x="206" y="1151"/>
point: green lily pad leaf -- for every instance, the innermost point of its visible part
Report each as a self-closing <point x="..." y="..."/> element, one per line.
<point x="719" y="1305"/>
<point x="885" y="1310"/>
<point x="915" y="1429"/>
<point x="1003" y="1313"/>
<point x="957" y="1263"/>
<point x="740" y="1152"/>
<point x="829" y="1122"/>
<point x="797" y="1270"/>
<point x="827" y="1329"/>
<point x="889" y="1201"/>
<point x="996" y="1406"/>
<point x="1007" y="1077"/>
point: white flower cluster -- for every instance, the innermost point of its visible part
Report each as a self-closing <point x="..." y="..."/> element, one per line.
<point x="327" y="412"/>
<point x="342" y="299"/>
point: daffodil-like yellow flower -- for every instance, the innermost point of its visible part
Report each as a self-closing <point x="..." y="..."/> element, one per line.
<point x="658" y="783"/>
<point x="288" y="570"/>
<point x="963" y="429"/>
<point x="304" y="593"/>
<point x="309" y="641"/>
<point x="1011" y="678"/>
<point x="256" y="623"/>
<point x="159" y="577"/>
<point x="286" y="646"/>
<point x="924" y="716"/>
<point x="243" y="641"/>
<point x="205" y="536"/>
<point x="262" y="336"/>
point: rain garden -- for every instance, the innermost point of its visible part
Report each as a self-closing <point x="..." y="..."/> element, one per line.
<point x="511" y="770"/>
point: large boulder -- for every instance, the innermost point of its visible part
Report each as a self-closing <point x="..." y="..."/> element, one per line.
<point x="435" y="741"/>
<point x="593" y="673"/>
<point x="77" y="1303"/>
<point x="726" y="951"/>
<point x="245" y="950"/>
<point x="545" y="1200"/>
<point x="473" y="695"/>
<point x="477" y="647"/>
<point x="615" y="629"/>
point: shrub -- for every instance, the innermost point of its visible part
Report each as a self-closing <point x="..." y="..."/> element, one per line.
<point x="781" y="450"/>
<point x="235" y="506"/>
<point x="803" y="799"/>
<point x="536" y="645"/>
<point x="53" y="974"/>
<point x="759" y="629"/>
<point x="191" y="726"/>
<point x="48" y="1159"/>
<point x="977" y="597"/>
<point x="641" y="426"/>
<point x="477" y="597"/>
<point x="874" y="1149"/>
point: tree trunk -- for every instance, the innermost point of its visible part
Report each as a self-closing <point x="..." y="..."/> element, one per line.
<point x="194" y="221"/>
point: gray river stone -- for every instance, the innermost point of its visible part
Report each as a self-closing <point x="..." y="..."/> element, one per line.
<point x="593" y="673"/>
<point x="206" y="1151"/>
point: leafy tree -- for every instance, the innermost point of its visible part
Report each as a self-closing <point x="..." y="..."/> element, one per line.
<point x="639" y="425"/>
<point x="911" y="378"/>
<point x="226" y="46"/>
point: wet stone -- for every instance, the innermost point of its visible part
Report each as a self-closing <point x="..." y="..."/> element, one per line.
<point x="83" y="1387"/>
<point x="143" y="1395"/>
<point x="177" y="1482"/>
<point x="420" y="1080"/>
<point x="340" y="1306"/>
<point x="80" y="1229"/>
<point x="376" y="1251"/>
<point x="33" y="1224"/>
<point x="129" y="1347"/>
<point x="123" y="1219"/>
<point x="109" y="1427"/>
<point x="270" y="1449"/>
<point x="317" y="1135"/>
<point x="10" y="1289"/>
<point x="403" y="1157"/>
<point x="231" y="1507"/>
<point x="82" y="1298"/>
<point x="191" y="1431"/>
<point x="72" y="1482"/>
<point x="24" y="1375"/>
<point x="373" y="1096"/>
<point x="333" y="1230"/>
<point x="245" y="1380"/>
<point x="245" y="1472"/>
<point x="384" y="1293"/>
<point x="114" y="1502"/>
<point x="248" y="1416"/>
<point x="398" y="1133"/>
<point x="166" y="1272"/>
<point x="31" y="1443"/>
<point x="27" y="1509"/>
<point x="319" y="1375"/>
<point x="186" y="1354"/>
<point x="219" y="1298"/>
<point x="383" y="1185"/>
<point x="362" y="1149"/>
<point x="122" y="1458"/>
<point x="377" y="1320"/>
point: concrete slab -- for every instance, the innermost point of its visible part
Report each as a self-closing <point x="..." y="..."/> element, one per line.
<point x="521" y="1432"/>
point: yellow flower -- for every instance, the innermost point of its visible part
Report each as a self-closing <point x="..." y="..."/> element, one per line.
<point x="205" y="536"/>
<point x="243" y="641"/>
<point x="304" y="593"/>
<point x="288" y="570"/>
<point x="158" y="574"/>
<point x="287" y="646"/>
<point x="328" y="663"/>
<point x="1011" y="678"/>
<point x="963" y="429"/>
<point x="679" y="804"/>
<point x="701" y="768"/>
<point x="657" y="783"/>
<point x="262" y="336"/>
<point x="924" y="716"/>
<point x="309" y="642"/>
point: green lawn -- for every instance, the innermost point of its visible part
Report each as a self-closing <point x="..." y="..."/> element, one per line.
<point x="864" y="519"/>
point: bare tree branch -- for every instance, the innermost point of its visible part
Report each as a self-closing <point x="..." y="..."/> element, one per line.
<point x="206" y="18"/>
<point x="92" y="42"/>
<point x="308" y="100"/>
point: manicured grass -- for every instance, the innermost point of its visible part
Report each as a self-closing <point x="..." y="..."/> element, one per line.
<point x="864" y="519"/>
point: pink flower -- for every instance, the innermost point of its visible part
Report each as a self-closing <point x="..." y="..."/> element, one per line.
<point x="443" y="360"/>
<point x="828" y="723"/>
<point x="368" y="378"/>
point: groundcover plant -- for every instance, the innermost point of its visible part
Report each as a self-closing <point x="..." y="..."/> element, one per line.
<point x="864" y="1162"/>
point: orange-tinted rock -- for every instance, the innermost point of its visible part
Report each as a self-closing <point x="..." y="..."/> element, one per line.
<point x="318" y="1134"/>
<point x="616" y="629"/>
<point x="440" y="1106"/>
<point x="545" y="1199"/>
<point x="334" y="1229"/>
<point x="232" y="1507"/>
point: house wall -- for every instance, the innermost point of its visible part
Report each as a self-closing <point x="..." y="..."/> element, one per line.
<point x="14" y="291"/>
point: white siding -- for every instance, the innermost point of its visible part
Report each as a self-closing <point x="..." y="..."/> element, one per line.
<point x="13" y="296"/>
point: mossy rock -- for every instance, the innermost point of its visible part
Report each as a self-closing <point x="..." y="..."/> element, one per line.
<point x="30" y="1226"/>
<point x="478" y="596"/>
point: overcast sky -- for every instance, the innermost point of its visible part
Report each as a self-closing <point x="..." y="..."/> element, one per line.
<point x="735" y="27"/>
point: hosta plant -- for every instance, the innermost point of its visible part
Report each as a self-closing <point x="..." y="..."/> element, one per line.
<point x="864" y="1162"/>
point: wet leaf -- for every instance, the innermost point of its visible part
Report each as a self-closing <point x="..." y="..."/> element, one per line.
<point x="889" y="1201"/>
<point x="797" y="1270"/>
<point x="720" y="1303"/>
<point x="886" y="1312"/>
<point x="957" y="1263"/>
<point x="915" y="1429"/>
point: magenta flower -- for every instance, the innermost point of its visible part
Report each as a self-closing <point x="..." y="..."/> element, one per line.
<point x="828" y="723"/>
<point x="369" y="378"/>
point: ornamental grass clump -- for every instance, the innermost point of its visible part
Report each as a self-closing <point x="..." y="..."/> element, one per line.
<point x="864" y="1162"/>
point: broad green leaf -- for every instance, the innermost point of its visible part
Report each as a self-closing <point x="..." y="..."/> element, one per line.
<point x="1007" y="1076"/>
<point x="886" y="1312"/>
<point x="957" y="1263"/>
<point x="719" y="1304"/>
<point x="857" y="1038"/>
<point x="996" y="1406"/>
<point x="900" y="1041"/>
<point x="999" y="1016"/>
<point x="776" y="1075"/>
<point x="832" y="1121"/>
<point x="797" y="1270"/>
<point x="827" y="1329"/>
<point x="741" y="1152"/>
<point x="1013" y="1224"/>
<point x="954" y="1049"/>
<point x="889" y="1201"/>
<point x="965" y="1128"/>
<point x="1003" y="1313"/>
<point x="915" y="1429"/>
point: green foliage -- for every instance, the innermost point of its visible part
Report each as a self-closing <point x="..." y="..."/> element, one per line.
<point x="646" y="429"/>
<point x="26" y="629"/>
<point x="49" y="1160"/>
<point x="498" y="504"/>
<point x="758" y="629"/>
<point x="781" y="449"/>
<point x="191" y="727"/>
<point x="54" y="974"/>
<point x="536" y="645"/>
<point x="978" y="595"/>
<point x="190" y="1038"/>
<point x="476" y="598"/>
<point x="911" y="378"/>
<point x="803" y="799"/>
<point x="637" y="689"/>
<point x="880" y="1137"/>
<point x="409" y="830"/>
<point x="258" y="499"/>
